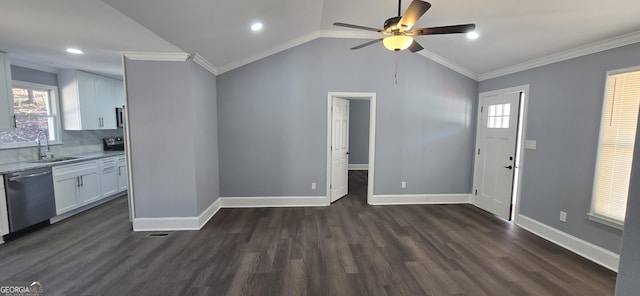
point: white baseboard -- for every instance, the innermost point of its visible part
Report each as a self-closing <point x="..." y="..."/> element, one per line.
<point x="583" y="248"/>
<point x="196" y="223"/>
<point x="166" y="224"/>
<point x="358" y="166"/>
<point x="177" y="223"/>
<point x="413" y="199"/>
<point x="207" y="214"/>
<point x="274" y="201"/>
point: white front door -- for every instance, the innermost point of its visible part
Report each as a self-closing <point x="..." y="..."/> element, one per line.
<point x="339" y="148"/>
<point x="495" y="152"/>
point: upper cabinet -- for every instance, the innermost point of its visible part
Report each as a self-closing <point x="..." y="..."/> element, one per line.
<point x="89" y="100"/>
<point x="7" y="121"/>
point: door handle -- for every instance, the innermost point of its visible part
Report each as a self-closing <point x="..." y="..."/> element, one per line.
<point x="347" y="153"/>
<point x="508" y="167"/>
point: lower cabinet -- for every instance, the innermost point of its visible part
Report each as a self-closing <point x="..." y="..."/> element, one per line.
<point x="4" y="216"/>
<point x="123" y="180"/>
<point x="109" y="176"/>
<point x="75" y="185"/>
<point x="82" y="183"/>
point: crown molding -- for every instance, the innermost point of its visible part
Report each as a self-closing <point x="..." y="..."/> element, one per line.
<point x="449" y="64"/>
<point x="156" y="56"/>
<point x="204" y="63"/>
<point x="295" y="42"/>
<point x="599" y="46"/>
<point x="340" y="34"/>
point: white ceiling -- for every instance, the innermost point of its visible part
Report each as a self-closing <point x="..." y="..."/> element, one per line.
<point x="511" y="31"/>
<point x="39" y="31"/>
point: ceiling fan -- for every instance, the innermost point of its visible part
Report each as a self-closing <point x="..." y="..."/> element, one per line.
<point x="400" y="32"/>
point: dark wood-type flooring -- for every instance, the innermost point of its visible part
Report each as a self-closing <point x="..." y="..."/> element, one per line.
<point x="349" y="248"/>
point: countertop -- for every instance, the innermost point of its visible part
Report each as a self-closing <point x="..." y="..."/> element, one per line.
<point x="23" y="166"/>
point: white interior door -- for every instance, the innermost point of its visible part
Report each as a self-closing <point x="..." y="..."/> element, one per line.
<point x="495" y="152"/>
<point x="339" y="148"/>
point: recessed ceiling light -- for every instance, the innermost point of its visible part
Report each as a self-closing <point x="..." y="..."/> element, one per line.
<point x="256" y="27"/>
<point x="473" y="35"/>
<point x="74" y="50"/>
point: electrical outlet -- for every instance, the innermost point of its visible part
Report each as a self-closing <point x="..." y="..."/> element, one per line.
<point x="563" y="216"/>
<point x="403" y="184"/>
<point x="313" y="185"/>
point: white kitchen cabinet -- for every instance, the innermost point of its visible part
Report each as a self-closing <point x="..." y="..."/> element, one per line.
<point x="88" y="100"/>
<point x="4" y="216"/>
<point x="75" y="185"/>
<point x="109" y="176"/>
<point x="123" y="180"/>
<point x="118" y="86"/>
<point x="106" y="103"/>
<point x="7" y="120"/>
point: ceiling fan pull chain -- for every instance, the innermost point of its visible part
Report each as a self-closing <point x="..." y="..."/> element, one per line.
<point x="396" y="75"/>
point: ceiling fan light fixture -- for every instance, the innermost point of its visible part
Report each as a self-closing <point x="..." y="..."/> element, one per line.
<point x="473" y="35"/>
<point x="397" y="42"/>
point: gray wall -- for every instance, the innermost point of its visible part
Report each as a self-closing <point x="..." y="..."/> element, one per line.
<point x="564" y="113"/>
<point x="629" y="270"/>
<point x="33" y="76"/>
<point x="205" y="132"/>
<point x="272" y="120"/>
<point x="172" y="115"/>
<point x="359" y="131"/>
<point x="73" y="142"/>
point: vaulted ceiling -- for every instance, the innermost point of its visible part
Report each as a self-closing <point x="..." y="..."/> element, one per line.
<point x="511" y="32"/>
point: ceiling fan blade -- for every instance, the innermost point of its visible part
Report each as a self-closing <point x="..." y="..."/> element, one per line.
<point x="357" y="27"/>
<point x="443" y="30"/>
<point x="415" y="46"/>
<point x="416" y="9"/>
<point x="367" y="44"/>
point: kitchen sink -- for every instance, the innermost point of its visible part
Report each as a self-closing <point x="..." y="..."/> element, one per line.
<point x="56" y="159"/>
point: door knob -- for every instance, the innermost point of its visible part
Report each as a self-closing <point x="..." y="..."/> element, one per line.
<point x="508" y="167"/>
<point x="347" y="152"/>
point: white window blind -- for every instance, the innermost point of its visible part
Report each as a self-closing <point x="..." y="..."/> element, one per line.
<point x="617" y="137"/>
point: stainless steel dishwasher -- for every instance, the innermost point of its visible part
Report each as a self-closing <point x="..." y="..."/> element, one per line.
<point x="30" y="197"/>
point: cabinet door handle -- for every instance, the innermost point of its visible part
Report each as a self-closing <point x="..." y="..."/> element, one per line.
<point x="119" y="173"/>
<point x="15" y="123"/>
<point x="81" y="181"/>
<point x="78" y="180"/>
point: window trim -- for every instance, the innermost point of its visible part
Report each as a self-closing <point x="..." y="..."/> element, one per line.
<point x="55" y="111"/>
<point x="614" y="223"/>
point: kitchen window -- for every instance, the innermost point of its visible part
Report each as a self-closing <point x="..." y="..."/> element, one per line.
<point x="615" y="151"/>
<point x="35" y="108"/>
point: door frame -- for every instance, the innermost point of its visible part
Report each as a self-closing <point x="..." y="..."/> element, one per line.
<point x="520" y="146"/>
<point x="372" y="137"/>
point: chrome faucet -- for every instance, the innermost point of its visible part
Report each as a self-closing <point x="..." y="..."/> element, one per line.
<point x="39" y="135"/>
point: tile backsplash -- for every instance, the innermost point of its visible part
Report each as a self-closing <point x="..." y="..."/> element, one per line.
<point x="73" y="142"/>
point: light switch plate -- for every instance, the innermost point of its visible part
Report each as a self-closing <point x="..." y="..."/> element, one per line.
<point x="530" y="144"/>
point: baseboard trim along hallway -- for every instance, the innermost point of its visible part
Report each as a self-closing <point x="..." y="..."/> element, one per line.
<point x="417" y="199"/>
<point x="274" y="201"/>
<point x="583" y="248"/>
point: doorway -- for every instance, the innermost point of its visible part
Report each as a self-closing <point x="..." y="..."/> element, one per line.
<point x="498" y="154"/>
<point x="337" y="155"/>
